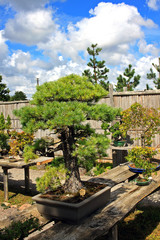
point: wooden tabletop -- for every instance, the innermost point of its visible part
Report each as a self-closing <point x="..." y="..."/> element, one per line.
<point x="22" y="164"/>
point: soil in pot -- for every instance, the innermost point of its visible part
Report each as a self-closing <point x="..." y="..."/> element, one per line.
<point x="88" y="190"/>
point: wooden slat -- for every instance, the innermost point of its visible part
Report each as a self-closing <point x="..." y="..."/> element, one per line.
<point x="45" y="161"/>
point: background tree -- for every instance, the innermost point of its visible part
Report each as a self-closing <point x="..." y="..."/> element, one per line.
<point x="99" y="73"/>
<point x="128" y="80"/>
<point x="65" y="106"/>
<point x="18" y="95"/>
<point x="152" y="75"/>
<point x="4" y="91"/>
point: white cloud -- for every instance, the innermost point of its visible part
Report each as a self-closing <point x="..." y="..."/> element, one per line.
<point x="31" y="27"/>
<point x="147" y="48"/>
<point x="3" y="47"/>
<point x="21" y="71"/>
<point x="113" y="26"/>
<point x="154" y="4"/>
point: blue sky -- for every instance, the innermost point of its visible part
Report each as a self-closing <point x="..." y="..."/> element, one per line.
<point x="48" y="38"/>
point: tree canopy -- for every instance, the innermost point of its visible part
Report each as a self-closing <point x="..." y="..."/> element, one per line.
<point x="4" y="91"/>
<point x="18" y="95"/>
<point x="129" y="80"/>
<point x="152" y="75"/>
<point x="66" y="106"/>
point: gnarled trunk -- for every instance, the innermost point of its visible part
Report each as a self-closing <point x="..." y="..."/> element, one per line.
<point x="73" y="183"/>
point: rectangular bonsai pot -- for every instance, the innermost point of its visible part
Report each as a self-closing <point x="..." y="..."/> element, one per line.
<point x="72" y="212"/>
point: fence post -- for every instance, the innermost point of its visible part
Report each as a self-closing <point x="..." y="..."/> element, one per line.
<point x="111" y="95"/>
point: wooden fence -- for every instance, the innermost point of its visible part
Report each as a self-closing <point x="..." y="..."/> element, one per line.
<point x="123" y="100"/>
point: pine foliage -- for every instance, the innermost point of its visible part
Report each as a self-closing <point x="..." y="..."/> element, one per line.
<point x="99" y="71"/>
<point x="67" y="106"/>
<point x="129" y="80"/>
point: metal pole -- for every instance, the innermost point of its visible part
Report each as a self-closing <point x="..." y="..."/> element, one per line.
<point x="37" y="81"/>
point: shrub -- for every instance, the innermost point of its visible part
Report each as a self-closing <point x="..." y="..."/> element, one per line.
<point x="19" y="230"/>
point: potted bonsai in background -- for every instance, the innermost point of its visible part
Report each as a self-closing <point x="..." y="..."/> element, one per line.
<point x="117" y="136"/>
<point x="65" y="106"/>
<point x="140" y="159"/>
<point x="147" y="122"/>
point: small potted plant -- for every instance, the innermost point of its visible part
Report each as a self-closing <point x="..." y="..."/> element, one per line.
<point x="140" y="159"/>
<point x="118" y="139"/>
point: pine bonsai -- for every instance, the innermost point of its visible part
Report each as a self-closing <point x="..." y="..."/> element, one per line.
<point x="65" y="106"/>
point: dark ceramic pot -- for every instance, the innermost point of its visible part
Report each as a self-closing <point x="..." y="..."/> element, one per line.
<point x="140" y="170"/>
<point x="143" y="181"/>
<point x="72" y="212"/>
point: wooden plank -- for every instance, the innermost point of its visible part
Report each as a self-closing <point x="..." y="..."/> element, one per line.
<point x="99" y="223"/>
<point x="115" y="176"/>
<point x="45" y="161"/>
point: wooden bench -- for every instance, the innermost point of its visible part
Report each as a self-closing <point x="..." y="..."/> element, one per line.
<point x="124" y="197"/>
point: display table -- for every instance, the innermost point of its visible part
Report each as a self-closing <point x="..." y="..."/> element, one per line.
<point x="6" y="164"/>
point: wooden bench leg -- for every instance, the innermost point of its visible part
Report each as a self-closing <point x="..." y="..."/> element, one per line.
<point x="113" y="233"/>
<point x="5" y="183"/>
<point x="26" y="173"/>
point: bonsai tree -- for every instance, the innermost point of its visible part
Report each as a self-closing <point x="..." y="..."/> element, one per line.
<point x="65" y="106"/>
<point x="141" y="157"/>
<point x="146" y="120"/>
<point x="117" y="135"/>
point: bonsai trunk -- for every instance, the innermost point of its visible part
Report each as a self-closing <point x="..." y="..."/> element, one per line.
<point x="73" y="183"/>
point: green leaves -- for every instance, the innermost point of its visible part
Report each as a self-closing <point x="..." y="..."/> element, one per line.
<point x="147" y="120"/>
<point x="141" y="157"/>
<point x="89" y="148"/>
